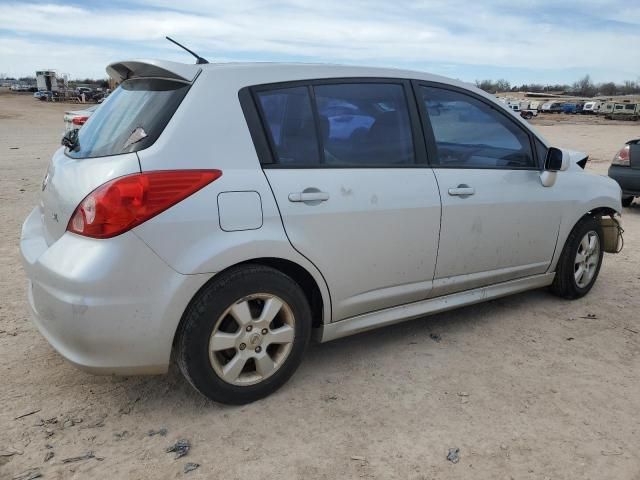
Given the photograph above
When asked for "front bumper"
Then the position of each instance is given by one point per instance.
(628, 178)
(108, 306)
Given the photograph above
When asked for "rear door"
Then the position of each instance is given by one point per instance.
(498, 221)
(351, 181)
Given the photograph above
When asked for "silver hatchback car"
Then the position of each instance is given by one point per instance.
(225, 213)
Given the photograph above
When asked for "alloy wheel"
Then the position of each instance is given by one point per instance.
(586, 260)
(252, 339)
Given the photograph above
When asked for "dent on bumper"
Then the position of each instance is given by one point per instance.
(108, 306)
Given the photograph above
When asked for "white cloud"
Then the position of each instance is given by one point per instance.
(392, 33)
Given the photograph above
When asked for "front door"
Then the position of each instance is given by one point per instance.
(498, 221)
(354, 195)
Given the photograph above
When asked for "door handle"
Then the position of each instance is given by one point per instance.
(309, 197)
(462, 190)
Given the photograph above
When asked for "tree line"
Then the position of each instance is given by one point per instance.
(584, 87)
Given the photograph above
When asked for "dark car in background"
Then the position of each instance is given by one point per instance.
(625, 169)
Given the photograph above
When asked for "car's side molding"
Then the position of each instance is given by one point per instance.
(389, 316)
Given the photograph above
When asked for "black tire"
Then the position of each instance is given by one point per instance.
(564, 284)
(627, 201)
(199, 320)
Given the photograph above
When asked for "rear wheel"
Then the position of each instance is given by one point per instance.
(244, 334)
(627, 201)
(580, 262)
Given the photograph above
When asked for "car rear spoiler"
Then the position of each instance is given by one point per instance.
(121, 71)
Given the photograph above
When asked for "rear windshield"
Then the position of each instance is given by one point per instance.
(130, 119)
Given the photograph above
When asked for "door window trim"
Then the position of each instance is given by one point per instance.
(265, 147)
(429, 136)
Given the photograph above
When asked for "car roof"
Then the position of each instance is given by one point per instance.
(243, 74)
(269, 72)
(330, 70)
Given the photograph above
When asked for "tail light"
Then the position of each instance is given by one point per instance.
(622, 157)
(79, 120)
(125, 202)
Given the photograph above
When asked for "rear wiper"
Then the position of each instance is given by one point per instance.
(70, 140)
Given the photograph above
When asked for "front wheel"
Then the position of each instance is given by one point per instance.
(580, 261)
(244, 334)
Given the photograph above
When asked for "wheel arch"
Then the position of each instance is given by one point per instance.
(567, 228)
(318, 297)
(302, 277)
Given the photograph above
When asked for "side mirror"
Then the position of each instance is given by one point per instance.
(553, 162)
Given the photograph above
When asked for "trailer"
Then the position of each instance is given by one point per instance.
(625, 111)
(591, 108)
(606, 108)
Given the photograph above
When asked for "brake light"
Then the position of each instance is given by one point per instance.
(125, 202)
(622, 157)
(79, 120)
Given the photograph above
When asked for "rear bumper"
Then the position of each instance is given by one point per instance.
(108, 306)
(628, 178)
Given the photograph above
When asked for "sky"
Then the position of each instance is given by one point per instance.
(522, 41)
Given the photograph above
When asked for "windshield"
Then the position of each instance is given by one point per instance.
(130, 119)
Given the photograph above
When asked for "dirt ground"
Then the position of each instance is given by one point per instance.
(527, 387)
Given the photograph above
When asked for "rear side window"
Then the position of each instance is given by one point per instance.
(288, 116)
(131, 119)
(470, 134)
(338, 125)
(364, 124)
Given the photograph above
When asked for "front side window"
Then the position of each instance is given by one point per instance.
(130, 119)
(289, 120)
(364, 124)
(470, 134)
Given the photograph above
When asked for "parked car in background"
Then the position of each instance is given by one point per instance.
(569, 108)
(625, 169)
(220, 214)
(76, 118)
(523, 108)
(21, 87)
(528, 114)
(39, 94)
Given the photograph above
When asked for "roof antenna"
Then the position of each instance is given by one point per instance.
(199, 59)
